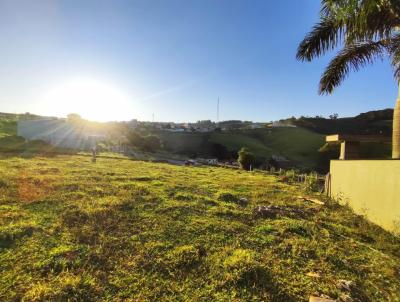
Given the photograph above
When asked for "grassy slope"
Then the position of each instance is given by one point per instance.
(298, 144)
(122, 230)
(7, 128)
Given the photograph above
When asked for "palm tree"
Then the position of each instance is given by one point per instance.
(365, 30)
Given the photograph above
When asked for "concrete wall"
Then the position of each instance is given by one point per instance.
(371, 187)
(59, 133)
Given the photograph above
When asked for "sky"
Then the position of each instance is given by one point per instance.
(120, 60)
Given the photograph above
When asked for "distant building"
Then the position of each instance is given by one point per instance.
(257, 125)
(208, 161)
(133, 123)
(60, 132)
(278, 124)
(176, 130)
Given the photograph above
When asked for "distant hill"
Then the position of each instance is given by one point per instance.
(372, 122)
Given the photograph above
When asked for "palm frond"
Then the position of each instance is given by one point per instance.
(337, 8)
(351, 58)
(367, 29)
(324, 37)
(394, 51)
(373, 21)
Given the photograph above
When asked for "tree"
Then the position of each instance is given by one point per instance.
(220, 151)
(334, 116)
(366, 30)
(135, 139)
(151, 143)
(246, 158)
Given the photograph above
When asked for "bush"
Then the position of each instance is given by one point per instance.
(311, 183)
(246, 159)
(151, 143)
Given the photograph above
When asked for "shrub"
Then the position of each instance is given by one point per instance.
(311, 183)
(246, 159)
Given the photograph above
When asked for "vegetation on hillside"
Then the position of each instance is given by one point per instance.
(121, 230)
(298, 145)
(371, 122)
(148, 143)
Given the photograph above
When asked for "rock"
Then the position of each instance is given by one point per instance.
(345, 285)
(347, 298)
(267, 211)
(243, 202)
(289, 211)
(351, 292)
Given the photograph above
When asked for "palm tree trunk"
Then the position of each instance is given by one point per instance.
(396, 130)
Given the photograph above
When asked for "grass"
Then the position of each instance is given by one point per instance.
(7, 127)
(121, 230)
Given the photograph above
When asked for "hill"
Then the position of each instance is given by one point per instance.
(371, 122)
(122, 230)
(298, 145)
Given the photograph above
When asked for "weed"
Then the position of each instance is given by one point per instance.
(127, 230)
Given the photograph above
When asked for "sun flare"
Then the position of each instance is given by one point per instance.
(92, 99)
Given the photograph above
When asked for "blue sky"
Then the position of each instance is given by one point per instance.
(175, 58)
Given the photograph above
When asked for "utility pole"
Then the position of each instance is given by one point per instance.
(153, 117)
(218, 111)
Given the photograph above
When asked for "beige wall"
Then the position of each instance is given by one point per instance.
(371, 187)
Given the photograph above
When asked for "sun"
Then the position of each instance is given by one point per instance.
(93, 99)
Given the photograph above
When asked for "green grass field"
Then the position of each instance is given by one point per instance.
(121, 230)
